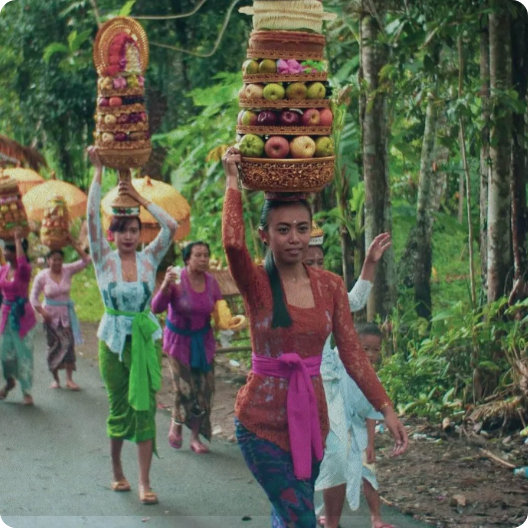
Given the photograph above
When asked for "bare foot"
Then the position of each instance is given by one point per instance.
(55, 385)
(379, 523)
(9, 386)
(28, 400)
(198, 447)
(71, 385)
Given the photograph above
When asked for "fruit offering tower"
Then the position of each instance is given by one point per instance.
(12, 210)
(285, 124)
(122, 131)
(55, 230)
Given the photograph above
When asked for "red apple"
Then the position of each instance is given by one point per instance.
(327, 118)
(103, 101)
(267, 118)
(122, 119)
(302, 147)
(120, 136)
(248, 118)
(311, 117)
(290, 118)
(277, 147)
(115, 101)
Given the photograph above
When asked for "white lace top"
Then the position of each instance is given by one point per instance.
(331, 367)
(118, 294)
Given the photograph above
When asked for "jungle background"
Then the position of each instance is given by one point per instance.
(430, 105)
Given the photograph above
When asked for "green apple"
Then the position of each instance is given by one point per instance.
(250, 67)
(324, 146)
(296, 91)
(316, 90)
(273, 92)
(251, 146)
(267, 66)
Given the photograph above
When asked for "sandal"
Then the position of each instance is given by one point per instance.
(147, 496)
(121, 485)
(9, 386)
(175, 440)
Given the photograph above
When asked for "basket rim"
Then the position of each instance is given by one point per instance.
(285, 77)
(287, 161)
(283, 103)
(279, 130)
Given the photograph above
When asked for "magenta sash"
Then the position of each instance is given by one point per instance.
(301, 406)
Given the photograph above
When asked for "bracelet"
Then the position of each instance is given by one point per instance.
(384, 406)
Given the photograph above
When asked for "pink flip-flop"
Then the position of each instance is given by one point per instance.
(175, 441)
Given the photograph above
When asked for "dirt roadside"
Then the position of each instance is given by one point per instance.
(449, 480)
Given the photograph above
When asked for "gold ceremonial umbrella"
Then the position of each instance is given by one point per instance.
(36, 200)
(161, 194)
(26, 178)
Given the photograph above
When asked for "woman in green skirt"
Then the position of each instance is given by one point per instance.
(129, 334)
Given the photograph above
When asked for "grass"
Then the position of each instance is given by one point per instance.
(85, 294)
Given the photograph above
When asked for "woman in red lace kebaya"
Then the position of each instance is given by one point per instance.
(281, 412)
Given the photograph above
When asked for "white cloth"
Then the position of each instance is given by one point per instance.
(116, 293)
(347, 411)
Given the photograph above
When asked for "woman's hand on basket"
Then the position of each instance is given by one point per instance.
(126, 188)
(231, 160)
(94, 158)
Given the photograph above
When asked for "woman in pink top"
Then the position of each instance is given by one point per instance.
(18, 319)
(60, 321)
(189, 342)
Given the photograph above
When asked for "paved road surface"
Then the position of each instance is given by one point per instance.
(55, 469)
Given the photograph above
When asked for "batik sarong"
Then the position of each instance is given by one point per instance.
(16, 355)
(61, 347)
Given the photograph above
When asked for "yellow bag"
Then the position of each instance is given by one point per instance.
(222, 315)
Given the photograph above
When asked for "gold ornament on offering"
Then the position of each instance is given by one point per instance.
(285, 125)
(122, 138)
(55, 230)
(12, 211)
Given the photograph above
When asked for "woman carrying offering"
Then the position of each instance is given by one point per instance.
(18, 319)
(281, 412)
(189, 343)
(129, 334)
(58, 312)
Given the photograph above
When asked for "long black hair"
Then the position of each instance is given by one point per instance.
(281, 317)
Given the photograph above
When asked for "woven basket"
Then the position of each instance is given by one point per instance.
(125, 127)
(283, 103)
(123, 92)
(126, 157)
(286, 45)
(284, 130)
(295, 175)
(123, 109)
(286, 77)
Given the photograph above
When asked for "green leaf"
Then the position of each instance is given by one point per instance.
(488, 365)
(55, 47)
(127, 8)
(79, 39)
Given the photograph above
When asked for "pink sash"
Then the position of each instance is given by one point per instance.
(301, 406)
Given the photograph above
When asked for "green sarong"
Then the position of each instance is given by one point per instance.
(124, 422)
(16, 355)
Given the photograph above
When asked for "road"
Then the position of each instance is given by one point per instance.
(55, 469)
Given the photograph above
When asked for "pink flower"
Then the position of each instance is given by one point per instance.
(110, 236)
(141, 80)
(119, 83)
(290, 66)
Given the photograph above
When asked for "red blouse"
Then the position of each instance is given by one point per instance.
(261, 403)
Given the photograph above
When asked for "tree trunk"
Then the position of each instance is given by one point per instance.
(378, 215)
(499, 234)
(519, 161)
(485, 161)
(424, 217)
